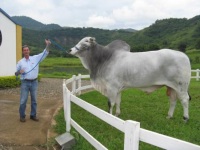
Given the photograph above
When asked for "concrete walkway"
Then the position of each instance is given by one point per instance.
(31, 135)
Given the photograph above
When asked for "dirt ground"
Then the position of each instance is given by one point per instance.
(31, 135)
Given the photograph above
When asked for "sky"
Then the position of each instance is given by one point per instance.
(103, 14)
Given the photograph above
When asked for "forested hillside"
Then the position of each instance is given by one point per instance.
(68, 37)
(173, 33)
(29, 23)
(182, 34)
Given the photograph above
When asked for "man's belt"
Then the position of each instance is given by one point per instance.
(31, 80)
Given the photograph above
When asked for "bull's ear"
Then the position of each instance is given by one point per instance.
(92, 39)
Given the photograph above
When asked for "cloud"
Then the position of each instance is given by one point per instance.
(111, 14)
(99, 21)
(142, 13)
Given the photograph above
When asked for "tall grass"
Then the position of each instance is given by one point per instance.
(150, 110)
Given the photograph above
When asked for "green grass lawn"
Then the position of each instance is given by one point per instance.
(150, 110)
(58, 67)
(60, 61)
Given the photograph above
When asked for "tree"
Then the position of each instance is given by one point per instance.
(197, 45)
(153, 47)
(182, 47)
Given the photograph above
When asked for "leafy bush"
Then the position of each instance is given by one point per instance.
(11, 81)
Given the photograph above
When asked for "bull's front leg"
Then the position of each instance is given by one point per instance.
(111, 104)
(113, 98)
(118, 101)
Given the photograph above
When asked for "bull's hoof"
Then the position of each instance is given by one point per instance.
(185, 119)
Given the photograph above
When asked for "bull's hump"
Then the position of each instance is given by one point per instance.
(118, 45)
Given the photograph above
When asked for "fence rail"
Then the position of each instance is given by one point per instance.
(197, 76)
(131, 129)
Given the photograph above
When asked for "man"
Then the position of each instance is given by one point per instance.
(28, 68)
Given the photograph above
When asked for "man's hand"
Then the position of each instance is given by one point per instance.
(48, 43)
(19, 72)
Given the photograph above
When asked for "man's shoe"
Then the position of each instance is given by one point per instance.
(34, 118)
(22, 120)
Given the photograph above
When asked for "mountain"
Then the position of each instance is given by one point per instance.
(68, 37)
(129, 30)
(29, 23)
(175, 33)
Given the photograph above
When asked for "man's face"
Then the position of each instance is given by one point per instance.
(26, 51)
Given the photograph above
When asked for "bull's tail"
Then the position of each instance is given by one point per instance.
(190, 98)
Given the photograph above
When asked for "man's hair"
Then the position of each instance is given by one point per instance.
(24, 47)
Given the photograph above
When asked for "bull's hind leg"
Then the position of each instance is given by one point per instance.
(184, 97)
(172, 98)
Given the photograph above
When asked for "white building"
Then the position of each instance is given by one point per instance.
(10, 44)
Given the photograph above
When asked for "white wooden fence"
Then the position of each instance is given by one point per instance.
(197, 76)
(131, 129)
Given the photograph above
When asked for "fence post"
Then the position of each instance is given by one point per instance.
(79, 83)
(131, 139)
(197, 75)
(64, 97)
(67, 106)
(74, 84)
(68, 111)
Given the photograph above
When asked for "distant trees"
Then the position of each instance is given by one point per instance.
(197, 45)
(182, 47)
(196, 33)
(153, 47)
(143, 48)
(171, 33)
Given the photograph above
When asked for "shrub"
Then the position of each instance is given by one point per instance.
(11, 81)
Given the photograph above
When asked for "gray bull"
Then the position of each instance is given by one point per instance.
(113, 68)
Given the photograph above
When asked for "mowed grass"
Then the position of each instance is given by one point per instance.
(60, 61)
(150, 110)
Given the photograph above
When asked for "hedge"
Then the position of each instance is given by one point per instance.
(11, 81)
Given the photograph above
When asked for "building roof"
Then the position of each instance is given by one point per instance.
(3, 12)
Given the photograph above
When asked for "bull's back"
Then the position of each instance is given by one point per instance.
(150, 68)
